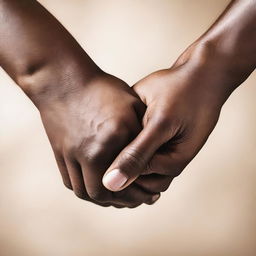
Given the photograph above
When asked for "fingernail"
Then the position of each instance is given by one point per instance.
(114, 180)
(155, 198)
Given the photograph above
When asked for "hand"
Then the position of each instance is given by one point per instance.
(88, 125)
(183, 106)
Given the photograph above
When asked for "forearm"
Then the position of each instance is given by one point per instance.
(33, 44)
(233, 35)
(227, 51)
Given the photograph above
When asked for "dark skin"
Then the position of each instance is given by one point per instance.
(82, 107)
(184, 102)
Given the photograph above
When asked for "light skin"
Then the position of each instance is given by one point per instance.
(82, 107)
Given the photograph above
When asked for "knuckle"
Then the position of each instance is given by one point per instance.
(97, 195)
(116, 133)
(132, 206)
(187, 159)
(81, 194)
(163, 187)
(149, 169)
(76, 146)
(181, 165)
(113, 137)
(68, 185)
(157, 187)
(133, 159)
(80, 147)
(177, 172)
(94, 154)
(162, 119)
(115, 126)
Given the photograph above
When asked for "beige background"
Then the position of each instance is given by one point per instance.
(209, 210)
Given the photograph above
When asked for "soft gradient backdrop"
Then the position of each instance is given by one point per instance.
(209, 210)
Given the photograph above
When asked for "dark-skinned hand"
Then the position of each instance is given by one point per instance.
(87, 127)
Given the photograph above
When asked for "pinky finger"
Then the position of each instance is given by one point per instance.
(63, 170)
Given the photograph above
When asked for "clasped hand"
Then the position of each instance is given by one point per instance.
(123, 146)
(117, 145)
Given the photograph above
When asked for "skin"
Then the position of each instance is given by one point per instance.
(82, 107)
(184, 102)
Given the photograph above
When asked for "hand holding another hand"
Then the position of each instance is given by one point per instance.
(143, 137)
(88, 125)
(183, 106)
(184, 102)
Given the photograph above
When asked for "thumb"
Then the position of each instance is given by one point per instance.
(134, 158)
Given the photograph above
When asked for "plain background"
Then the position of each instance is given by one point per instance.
(209, 210)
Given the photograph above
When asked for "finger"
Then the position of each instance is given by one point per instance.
(76, 178)
(94, 189)
(77, 181)
(133, 196)
(160, 172)
(96, 157)
(165, 164)
(63, 170)
(140, 109)
(154, 183)
(132, 161)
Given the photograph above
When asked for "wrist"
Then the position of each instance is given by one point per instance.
(56, 80)
(228, 58)
(217, 71)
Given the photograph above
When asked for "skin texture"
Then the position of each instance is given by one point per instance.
(184, 102)
(179, 118)
(82, 107)
(86, 134)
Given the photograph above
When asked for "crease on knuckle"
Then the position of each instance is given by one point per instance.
(77, 148)
(133, 159)
(162, 120)
(94, 155)
(82, 146)
(68, 185)
(80, 194)
(149, 168)
(97, 195)
(117, 135)
(164, 186)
